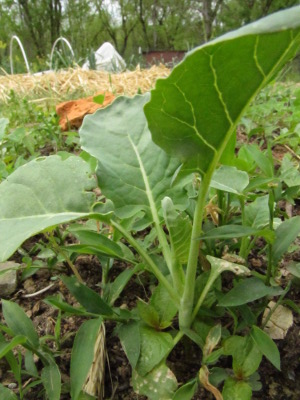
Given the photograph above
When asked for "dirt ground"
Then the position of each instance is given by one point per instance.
(185, 360)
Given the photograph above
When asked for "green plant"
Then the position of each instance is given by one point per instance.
(162, 183)
(29, 131)
(274, 116)
(22, 332)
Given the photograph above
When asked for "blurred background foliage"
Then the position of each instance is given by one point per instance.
(131, 26)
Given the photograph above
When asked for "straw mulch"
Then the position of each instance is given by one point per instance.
(62, 85)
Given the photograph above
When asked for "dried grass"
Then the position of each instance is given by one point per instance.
(63, 85)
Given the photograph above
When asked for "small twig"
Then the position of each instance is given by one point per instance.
(39, 292)
(291, 151)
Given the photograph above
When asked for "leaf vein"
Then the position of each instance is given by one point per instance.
(218, 90)
(259, 67)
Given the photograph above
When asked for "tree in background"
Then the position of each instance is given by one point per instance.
(235, 13)
(166, 24)
(127, 24)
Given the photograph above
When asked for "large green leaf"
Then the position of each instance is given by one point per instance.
(132, 171)
(193, 113)
(130, 338)
(246, 291)
(40, 194)
(155, 346)
(83, 354)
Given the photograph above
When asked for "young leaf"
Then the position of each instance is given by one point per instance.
(99, 99)
(289, 172)
(97, 242)
(132, 171)
(187, 391)
(236, 390)
(116, 287)
(246, 291)
(38, 195)
(6, 347)
(87, 297)
(180, 230)
(165, 308)
(83, 354)
(212, 340)
(286, 233)
(148, 314)
(159, 384)
(245, 354)
(257, 213)
(294, 269)
(19, 323)
(30, 366)
(266, 346)
(229, 179)
(51, 381)
(179, 113)
(57, 302)
(7, 394)
(262, 160)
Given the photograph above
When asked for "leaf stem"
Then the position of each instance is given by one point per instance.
(271, 270)
(161, 278)
(244, 250)
(214, 273)
(160, 233)
(187, 301)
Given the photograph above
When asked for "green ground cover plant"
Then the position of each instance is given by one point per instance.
(166, 164)
(29, 130)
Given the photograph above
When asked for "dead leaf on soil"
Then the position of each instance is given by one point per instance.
(279, 323)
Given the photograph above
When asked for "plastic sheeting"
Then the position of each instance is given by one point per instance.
(107, 58)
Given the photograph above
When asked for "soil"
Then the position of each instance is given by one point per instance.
(185, 360)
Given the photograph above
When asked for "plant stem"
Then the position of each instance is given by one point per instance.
(187, 301)
(58, 250)
(271, 270)
(245, 240)
(212, 277)
(161, 278)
